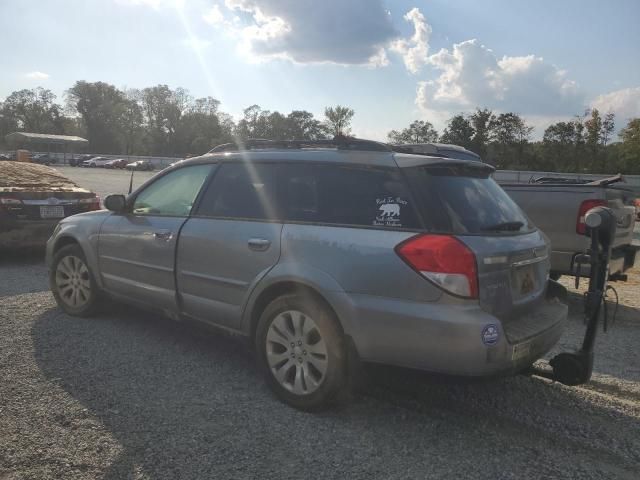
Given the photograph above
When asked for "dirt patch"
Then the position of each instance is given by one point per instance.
(21, 176)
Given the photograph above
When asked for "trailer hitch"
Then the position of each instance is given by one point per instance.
(575, 368)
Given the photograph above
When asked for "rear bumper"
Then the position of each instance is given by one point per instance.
(622, 259)
(451, 339)
(26, 233)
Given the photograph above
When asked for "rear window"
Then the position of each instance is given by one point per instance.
(348, 195)
(461, 199)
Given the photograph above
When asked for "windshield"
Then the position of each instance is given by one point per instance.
(462, 200)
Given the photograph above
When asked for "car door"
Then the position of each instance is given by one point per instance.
(136, 250)
(229, 243)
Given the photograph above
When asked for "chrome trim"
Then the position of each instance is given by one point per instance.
(529, 261)
(46, 202)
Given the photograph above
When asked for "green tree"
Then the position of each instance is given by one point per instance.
(102, 108)
(559, 144)
(510, 136)
(303, 126)
(33, 110)
(481, 121)
(419, 131)
(459, 131)
(630, 147)
(163, 109)
(338, 120)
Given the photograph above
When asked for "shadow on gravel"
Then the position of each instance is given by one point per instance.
(625, 313)
(185, 403)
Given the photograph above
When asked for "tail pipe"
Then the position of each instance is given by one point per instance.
(575, 368)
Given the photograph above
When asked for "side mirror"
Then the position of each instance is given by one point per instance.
(115, 203)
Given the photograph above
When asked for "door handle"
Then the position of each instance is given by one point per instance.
(259, 244)
(165, 235)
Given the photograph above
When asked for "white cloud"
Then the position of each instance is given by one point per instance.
(214, 16)
(414, 51)
(624, 103)
(36, 75)
(312, 31)
(155, 4)
(472, 75)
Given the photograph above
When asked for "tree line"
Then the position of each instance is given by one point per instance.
(584, 143)
(156, 120)
(162, 121)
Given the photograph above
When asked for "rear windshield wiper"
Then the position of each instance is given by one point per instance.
(504, 227)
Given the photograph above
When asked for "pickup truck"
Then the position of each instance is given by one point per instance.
(558, 209)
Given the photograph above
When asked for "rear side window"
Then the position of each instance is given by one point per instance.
(347, 195)
(461, 199)
(241, 190)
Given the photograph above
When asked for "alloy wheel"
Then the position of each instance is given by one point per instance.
(72, 281)
(296, 352)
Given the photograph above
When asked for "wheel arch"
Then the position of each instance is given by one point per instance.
(278, 289)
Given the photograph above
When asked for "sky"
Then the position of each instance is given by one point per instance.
(392, 61)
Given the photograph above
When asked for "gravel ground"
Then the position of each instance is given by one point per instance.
(132, 395)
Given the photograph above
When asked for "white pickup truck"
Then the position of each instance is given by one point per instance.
(558, 207)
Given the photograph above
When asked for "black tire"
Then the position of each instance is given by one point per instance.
(91, 301)
(334, 380)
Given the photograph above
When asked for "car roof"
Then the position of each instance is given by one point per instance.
(330, 155)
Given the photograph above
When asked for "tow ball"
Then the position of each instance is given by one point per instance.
(575, 368)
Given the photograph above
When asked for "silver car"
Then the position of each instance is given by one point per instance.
(321, 254)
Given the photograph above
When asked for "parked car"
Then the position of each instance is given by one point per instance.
(33, 198)
(116, 163)
(637, 204)
(77, 160)
(317, 255)
(95, 162)
(559, 209)
(43, 159)
(140, 165)
(4, 156)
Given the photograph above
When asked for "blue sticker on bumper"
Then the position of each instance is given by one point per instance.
(490, 334)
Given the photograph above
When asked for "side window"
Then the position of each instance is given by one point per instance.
(241, 190)
(173, 194)
(346, 195)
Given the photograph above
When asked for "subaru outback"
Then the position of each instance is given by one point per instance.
(317, 250)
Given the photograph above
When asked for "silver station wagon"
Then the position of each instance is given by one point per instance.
(324, 252)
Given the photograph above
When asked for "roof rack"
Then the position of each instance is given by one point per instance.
(341, 143)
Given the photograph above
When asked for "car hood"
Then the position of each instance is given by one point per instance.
(96, 215)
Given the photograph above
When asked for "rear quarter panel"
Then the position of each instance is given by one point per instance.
(343, 260)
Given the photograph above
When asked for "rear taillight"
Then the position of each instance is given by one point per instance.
(91, 203)
(8, 204)
(581, 226)
(444, 260)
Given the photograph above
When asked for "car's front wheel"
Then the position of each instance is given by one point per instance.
(72, 283)
(302, 352)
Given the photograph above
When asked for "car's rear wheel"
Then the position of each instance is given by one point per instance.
(301, 350)
(72, 283)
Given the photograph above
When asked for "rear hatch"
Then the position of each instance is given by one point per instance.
(460, 199)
